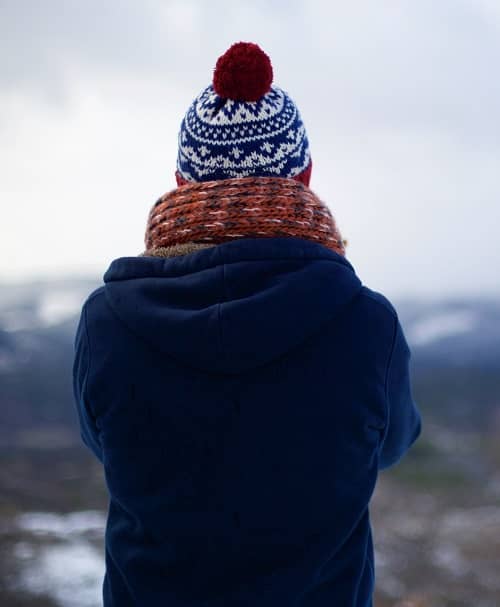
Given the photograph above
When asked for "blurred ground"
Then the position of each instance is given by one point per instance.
(435, 517)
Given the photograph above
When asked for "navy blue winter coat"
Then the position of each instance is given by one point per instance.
(242, 399)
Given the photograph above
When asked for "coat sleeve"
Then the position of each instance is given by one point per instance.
(403, 419)
(89, 431)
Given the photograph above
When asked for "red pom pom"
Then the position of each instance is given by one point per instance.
(243, 73)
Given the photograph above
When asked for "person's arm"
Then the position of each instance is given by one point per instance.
(89, 431)
(403, 420)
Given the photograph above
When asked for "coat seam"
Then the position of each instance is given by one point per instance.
(386, 381)
(87, 371)
(219, 311)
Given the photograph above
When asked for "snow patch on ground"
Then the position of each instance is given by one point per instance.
(70, 573)
(59, 558)
(62, 525)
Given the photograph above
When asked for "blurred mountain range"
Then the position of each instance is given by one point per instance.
(455, 347)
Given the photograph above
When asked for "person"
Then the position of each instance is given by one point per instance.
(239, 383)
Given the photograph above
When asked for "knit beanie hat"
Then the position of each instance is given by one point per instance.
(242, 125)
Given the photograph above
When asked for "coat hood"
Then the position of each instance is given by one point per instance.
(234, 306)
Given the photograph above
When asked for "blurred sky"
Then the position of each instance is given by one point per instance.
(401, 102)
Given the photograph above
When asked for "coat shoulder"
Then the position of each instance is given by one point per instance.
(94, 301)
(95, 293)
(382, 300)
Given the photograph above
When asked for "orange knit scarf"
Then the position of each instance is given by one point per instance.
(211, 212)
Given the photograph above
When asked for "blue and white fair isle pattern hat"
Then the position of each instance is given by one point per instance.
(242, 125)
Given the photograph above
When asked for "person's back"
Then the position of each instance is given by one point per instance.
(242, 388)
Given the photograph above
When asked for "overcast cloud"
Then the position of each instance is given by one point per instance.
(401, 101)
